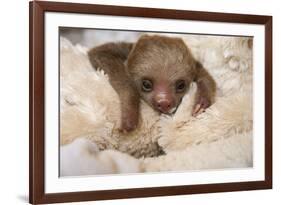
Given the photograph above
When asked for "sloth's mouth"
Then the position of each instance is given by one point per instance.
(169, 112)
(166, 112)
(172, 110)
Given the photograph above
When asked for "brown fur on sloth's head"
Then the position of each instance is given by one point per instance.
(162, 68)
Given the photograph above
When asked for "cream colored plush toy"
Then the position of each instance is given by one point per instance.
(221, 137)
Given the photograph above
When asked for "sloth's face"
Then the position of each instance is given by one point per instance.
(161, 68)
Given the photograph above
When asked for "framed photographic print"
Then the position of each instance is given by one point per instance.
(139, 102)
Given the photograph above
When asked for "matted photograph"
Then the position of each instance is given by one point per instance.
(135, 102)
(139, 102)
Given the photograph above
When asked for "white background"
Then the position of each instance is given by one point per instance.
(14, 100)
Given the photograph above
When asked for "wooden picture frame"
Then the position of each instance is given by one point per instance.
(37, 10)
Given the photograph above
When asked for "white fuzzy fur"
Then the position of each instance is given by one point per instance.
(83, 157)
(219, 138)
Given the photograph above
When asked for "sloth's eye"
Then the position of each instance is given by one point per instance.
(147, 85)
(180, 86)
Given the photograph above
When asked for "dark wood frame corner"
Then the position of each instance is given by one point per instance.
(36, 58)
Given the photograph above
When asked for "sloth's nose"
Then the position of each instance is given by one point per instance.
(164, 106)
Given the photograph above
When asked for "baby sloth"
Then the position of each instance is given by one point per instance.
(158, 69)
